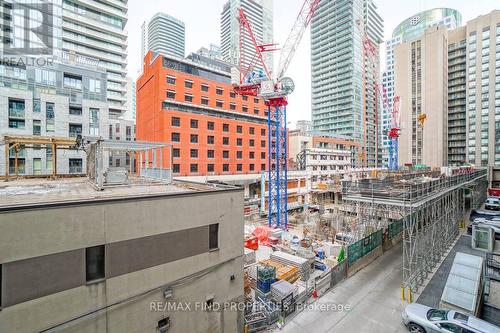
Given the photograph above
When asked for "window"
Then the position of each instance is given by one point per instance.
(36, 105)
(219, 103)
(49, 117)
(232, 106)
(94, 263)
(256, 111)
(239, 129)
(117, 163)
(251, 142)
(262, 131)
(225, 154)
(239, 167)
(239, 154)
(262, 143)
(188, 98)
(194, 138)
(194, 123)
(75, 165)
(219, 91)
(451, 327)
(170, 94)
(244, 97)
(176, 137)
(210, 125)
(75, 130)
(213, 236)
(210, 140)
(244, 109)
(225, 141)
(262, 167)
(225, 127)
(94, 122)
(239, 142)
(170, 79)
(210, 154)
(176, 121)
(232, 94)
(204, 100)
(188, 84)
(251, 130)
(193, 153)
(72, 81)
(193, 167)
(225, 167)
(204, 87)
(210, 168)
(37, 127)
(110, 136)
(176, 152)
(16, 113)
(255, 100)
(176, 168)
(95, 86)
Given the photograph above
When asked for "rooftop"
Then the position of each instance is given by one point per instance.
(26, 193)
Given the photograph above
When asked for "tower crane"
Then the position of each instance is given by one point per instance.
(394, 132)
(274, 90)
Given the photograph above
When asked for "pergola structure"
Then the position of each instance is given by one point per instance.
(16, 142)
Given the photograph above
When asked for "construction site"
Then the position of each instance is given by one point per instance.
(423, 210)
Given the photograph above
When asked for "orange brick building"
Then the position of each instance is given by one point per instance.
(191, 104)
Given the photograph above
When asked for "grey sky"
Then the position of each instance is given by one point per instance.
(202, 19)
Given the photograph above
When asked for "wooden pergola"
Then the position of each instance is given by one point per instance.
(13, 142)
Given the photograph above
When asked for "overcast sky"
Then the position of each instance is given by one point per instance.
(202, 20)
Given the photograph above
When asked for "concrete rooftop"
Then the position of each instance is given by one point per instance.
(35, 192)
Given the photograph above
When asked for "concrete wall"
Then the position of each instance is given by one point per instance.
(33, 233)
(434, 98)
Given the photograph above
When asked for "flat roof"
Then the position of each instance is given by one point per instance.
(29, 193)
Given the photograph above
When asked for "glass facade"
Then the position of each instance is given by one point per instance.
(337, 71)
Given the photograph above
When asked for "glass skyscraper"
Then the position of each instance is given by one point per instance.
(337, 71)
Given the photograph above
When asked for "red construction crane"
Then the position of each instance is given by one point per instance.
(394, 132)
(274, 89)
(370, 53)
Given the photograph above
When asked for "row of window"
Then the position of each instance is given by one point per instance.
(205, 88)
(211, 167)
(205, 100)
(176, 122)
(193, 153)
(194, 138)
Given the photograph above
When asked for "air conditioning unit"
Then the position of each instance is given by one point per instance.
(163, 325)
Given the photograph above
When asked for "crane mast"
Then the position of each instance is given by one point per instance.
(274, 90)
(394, 132)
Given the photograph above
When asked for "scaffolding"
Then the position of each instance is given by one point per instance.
(430, 206)
(153, 162)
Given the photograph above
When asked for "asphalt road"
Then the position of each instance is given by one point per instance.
(373, 295)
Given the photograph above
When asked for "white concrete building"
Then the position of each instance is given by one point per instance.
(324, 161)
(95, 29)
(260, 14)
(64, 100)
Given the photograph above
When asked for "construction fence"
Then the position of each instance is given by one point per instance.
(359, 249)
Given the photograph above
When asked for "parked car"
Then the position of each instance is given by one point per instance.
(423, 319)
(486, 214)
(492, 204)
